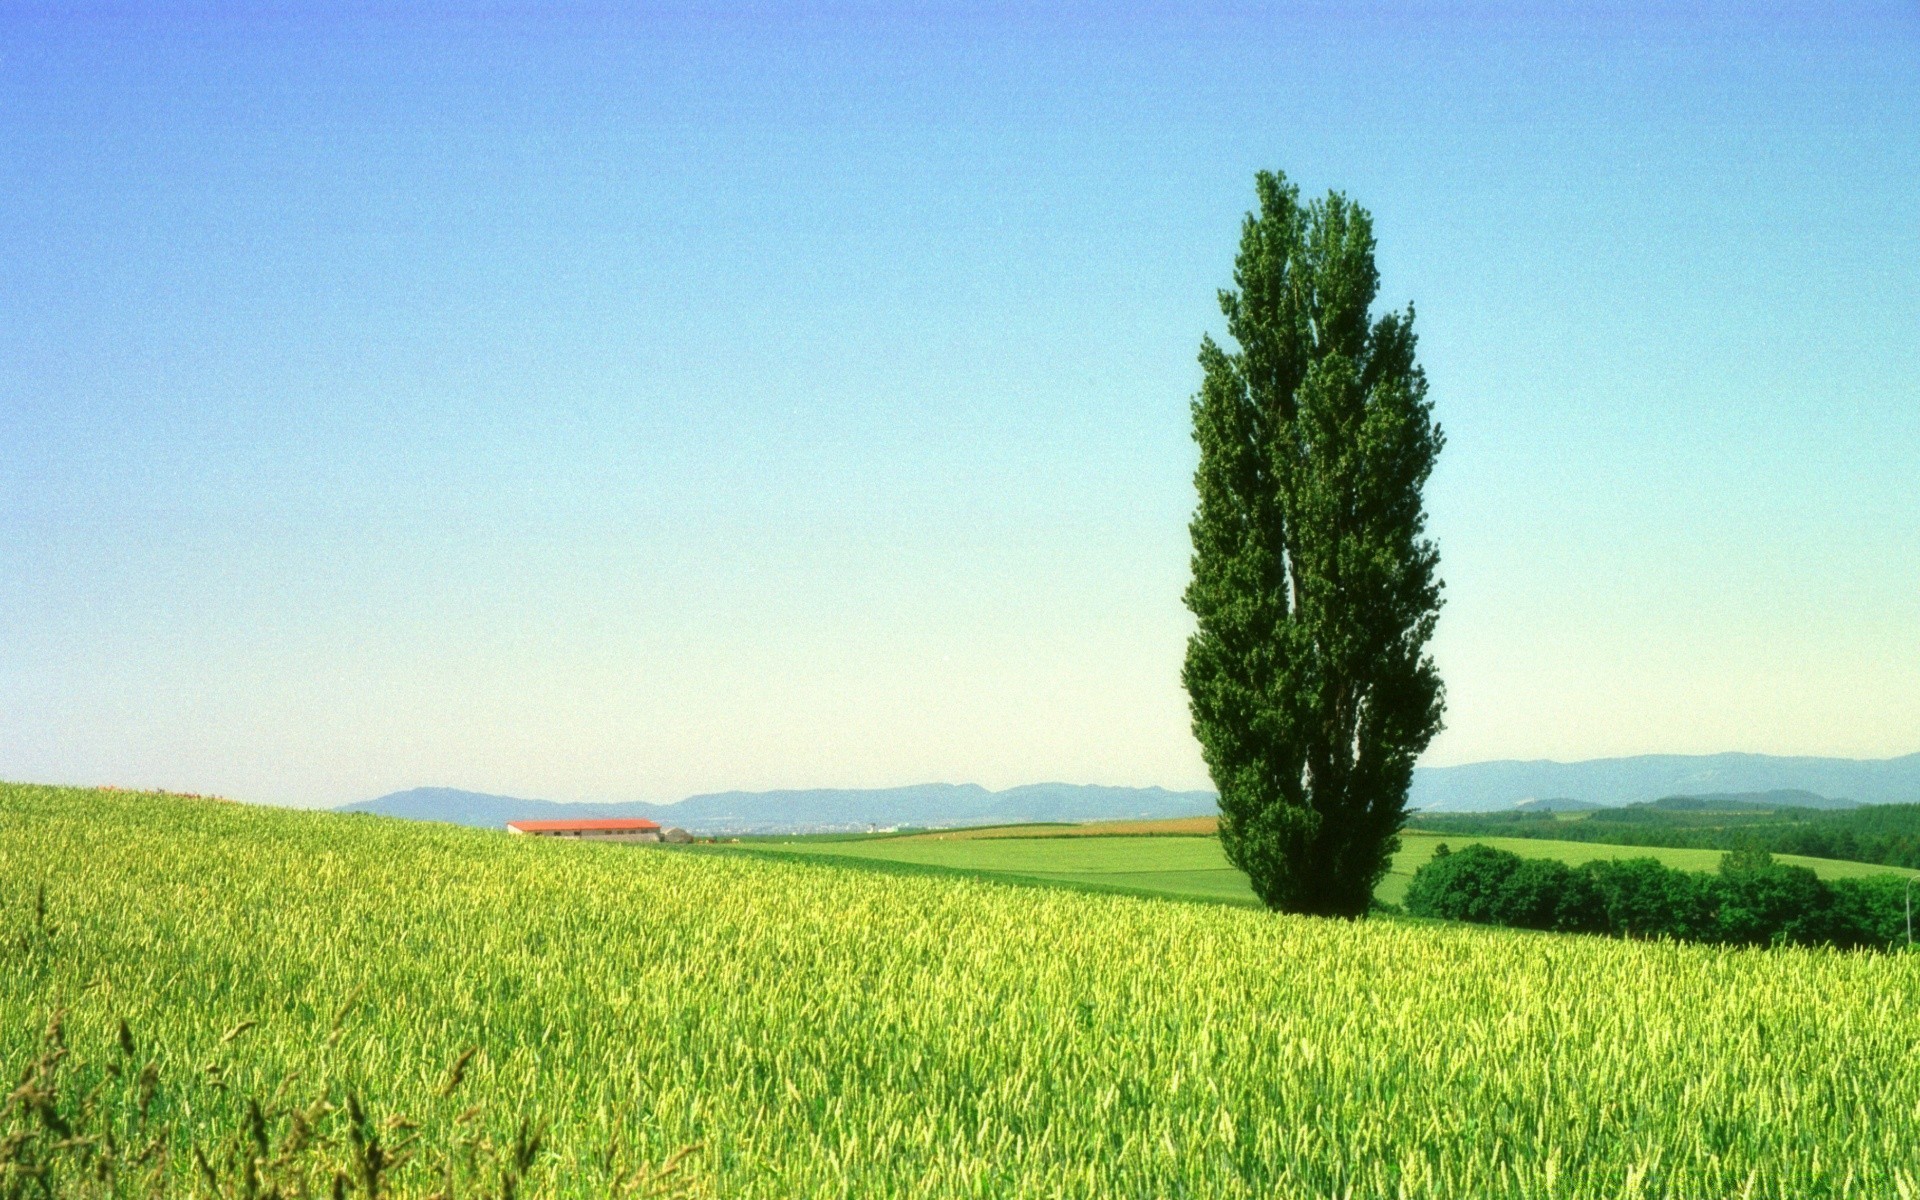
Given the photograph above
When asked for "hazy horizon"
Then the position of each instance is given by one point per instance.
(628, 407)
(1048, 783)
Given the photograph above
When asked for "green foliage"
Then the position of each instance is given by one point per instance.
(831, 1032)
(1751, 901)
(1644, 898)
(1883, 834)
(1493, 887)
(1759, 902)
(1314, 586)
(1874, 905)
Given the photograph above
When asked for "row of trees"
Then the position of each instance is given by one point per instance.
(1885, 834)
(1751, 901)
(1889, 849)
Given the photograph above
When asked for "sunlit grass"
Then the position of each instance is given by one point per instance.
(821, 1031)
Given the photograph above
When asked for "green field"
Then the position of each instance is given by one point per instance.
(818, 1031)
(1195, 868)
(1873, 833)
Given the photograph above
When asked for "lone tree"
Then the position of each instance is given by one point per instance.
(1314, 585)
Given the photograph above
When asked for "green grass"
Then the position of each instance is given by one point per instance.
(829, 1032)
(1190, 867)
(1195, 867)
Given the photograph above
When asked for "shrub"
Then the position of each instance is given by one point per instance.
(1751, 901)
(1759, 902)
(1641, 898)
(1467, 885)
(1870, 911)
(1496, 887)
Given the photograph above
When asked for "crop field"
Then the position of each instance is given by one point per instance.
(1182, 826)
(1194, 867)
(817, 1031)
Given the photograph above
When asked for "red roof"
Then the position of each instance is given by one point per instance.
(605, 825)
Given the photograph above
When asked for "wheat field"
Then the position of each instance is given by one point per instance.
(796, 1029)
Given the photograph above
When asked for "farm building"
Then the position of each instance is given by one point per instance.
(607, 829)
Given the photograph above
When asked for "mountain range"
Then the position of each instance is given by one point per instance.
(1473, 787)
(926, 805)
(1610, 782)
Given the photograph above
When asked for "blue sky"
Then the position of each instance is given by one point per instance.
(621, 406)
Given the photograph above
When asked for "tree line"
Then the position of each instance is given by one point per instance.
(1751, 901)
(1883, 834)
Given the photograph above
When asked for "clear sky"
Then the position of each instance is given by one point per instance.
(617, 407)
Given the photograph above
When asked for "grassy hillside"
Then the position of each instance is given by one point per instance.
(825, 1032)
(1191, 867)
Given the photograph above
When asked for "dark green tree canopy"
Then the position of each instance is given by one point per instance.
(1314, 587)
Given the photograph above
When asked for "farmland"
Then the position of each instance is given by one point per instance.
(825, 1032)
(1879, 833)
(1186, 865)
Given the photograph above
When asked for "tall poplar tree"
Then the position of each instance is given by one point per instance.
(1315, 587)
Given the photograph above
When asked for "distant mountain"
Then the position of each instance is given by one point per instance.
(456, 807)
(1475, 787)
(1759, 801)
(1493, 786)
(1556, 804)
(931, 804)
